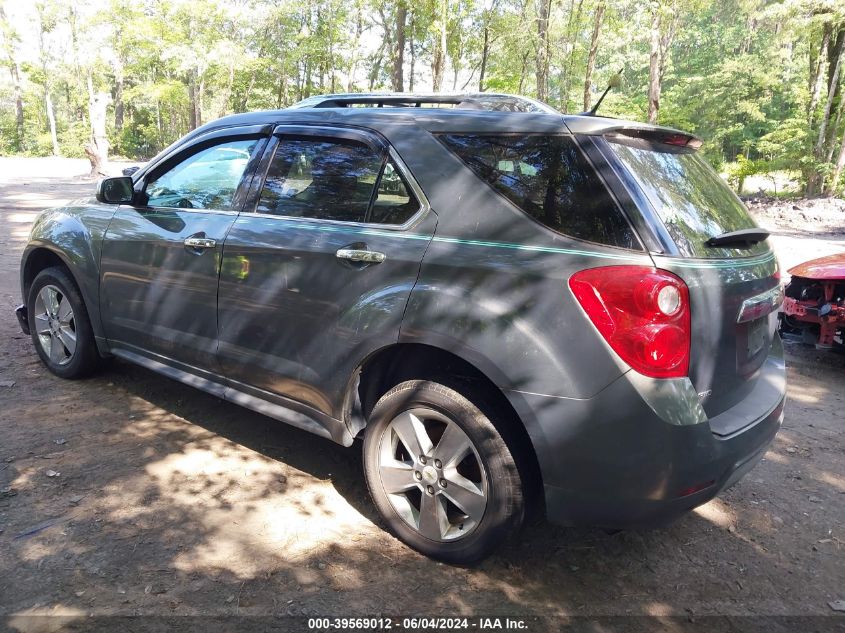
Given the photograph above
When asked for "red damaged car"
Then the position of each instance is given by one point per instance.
(815, 301)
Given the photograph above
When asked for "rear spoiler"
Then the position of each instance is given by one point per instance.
(661, 136)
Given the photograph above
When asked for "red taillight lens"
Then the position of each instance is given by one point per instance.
(643, 313)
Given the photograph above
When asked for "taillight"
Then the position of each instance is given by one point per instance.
(643, 313)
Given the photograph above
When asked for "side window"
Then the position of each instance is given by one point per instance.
(320, 178)
(548, 179)
(394, 203)
(205, 180)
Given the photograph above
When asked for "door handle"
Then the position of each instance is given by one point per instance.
(360, 255)
(200, 242)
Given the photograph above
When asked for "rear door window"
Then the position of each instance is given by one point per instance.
(691, 199)
(327, 179)
(548, 178)
(335, 179)
(394, 203)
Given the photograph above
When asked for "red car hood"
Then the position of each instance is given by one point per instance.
(830, 267)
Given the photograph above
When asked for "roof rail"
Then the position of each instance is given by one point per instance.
(379, 101)
(473, 101)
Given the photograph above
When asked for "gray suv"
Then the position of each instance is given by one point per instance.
(515, 309)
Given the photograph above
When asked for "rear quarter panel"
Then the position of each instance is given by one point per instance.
(493, 285)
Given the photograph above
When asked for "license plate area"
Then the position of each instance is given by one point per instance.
(752, 339)
(757, 331)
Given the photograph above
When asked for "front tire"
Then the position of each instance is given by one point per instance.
(440, 473)
(59, 325)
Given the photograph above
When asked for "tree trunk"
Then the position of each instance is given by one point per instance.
(591, 58)
(16, 78)
(356, 48)
(485, 53)
(542, 70)
(48, 102)
(51, 120)
(835, 60)
(816, 74)
(815, 179)
(399, 51)
(438, 61)
(193, 123)
(119, 109)
(666, 37)
(97, 148)
(413, 50)
(840, 165)
(567, 69)
(831, 146)
(834, 53)
(654, 68)
(200, 98)
(14, 71)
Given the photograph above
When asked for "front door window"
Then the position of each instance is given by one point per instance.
(205, 180)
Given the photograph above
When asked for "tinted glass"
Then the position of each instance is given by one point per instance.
(317, 178)
(394, 203)
(694, 203)
(548, 178)
(205, 180)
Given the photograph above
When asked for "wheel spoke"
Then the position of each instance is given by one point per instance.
(57, 350)
(433, 522)
(68, 338)
(453, 446)
(465, 494)
(412, 434)
(42, 324)
(396, 477)
(51, 300)
(65, 312)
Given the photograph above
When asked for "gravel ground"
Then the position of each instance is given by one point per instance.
(128, 493)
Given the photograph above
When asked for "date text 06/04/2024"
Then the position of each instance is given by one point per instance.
(417, 624)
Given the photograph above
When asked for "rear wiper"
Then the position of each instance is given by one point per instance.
(743, 237)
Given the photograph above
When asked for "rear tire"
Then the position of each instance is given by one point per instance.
(458, 499)
(59, 325)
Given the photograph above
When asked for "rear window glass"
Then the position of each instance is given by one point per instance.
(548, 178)
(691, 199)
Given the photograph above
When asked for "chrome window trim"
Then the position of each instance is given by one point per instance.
(180, 209)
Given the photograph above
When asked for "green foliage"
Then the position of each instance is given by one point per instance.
(735, 72)
(72, 139)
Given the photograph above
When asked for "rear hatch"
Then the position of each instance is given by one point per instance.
(710, 241)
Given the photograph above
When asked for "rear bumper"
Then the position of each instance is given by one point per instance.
(23, 318)
(614, 461)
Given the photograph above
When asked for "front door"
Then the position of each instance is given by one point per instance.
(318, 276)
(161, 258)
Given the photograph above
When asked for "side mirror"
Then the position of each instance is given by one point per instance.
(116, 190)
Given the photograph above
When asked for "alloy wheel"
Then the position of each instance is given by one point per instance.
(55, 324)
(432, 474)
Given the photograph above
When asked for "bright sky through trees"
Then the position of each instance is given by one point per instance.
(760, 81)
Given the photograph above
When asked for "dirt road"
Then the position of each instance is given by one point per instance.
(169, 501)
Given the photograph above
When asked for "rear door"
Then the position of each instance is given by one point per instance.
(317, 276)
(734, 289)
(161, 258)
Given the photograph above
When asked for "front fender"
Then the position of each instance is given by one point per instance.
(74, 234)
